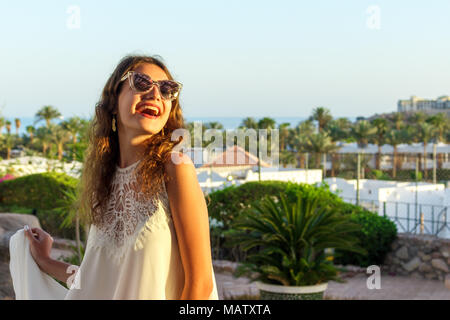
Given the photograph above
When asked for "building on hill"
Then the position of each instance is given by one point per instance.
(418, 104)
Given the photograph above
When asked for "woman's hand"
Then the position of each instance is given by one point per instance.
(40, 244)
(40, 247)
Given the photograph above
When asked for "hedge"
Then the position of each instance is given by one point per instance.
(224, 206)
(41, 192)
(376, 236)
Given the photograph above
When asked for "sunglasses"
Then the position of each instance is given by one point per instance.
(142, 83)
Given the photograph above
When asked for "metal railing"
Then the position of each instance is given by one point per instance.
(410, 217)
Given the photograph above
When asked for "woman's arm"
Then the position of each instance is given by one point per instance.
(190, 217)
(40, 247)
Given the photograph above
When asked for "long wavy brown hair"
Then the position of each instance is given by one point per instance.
(102, 153)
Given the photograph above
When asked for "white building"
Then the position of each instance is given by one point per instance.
(418, 104)
(407, 204)
(33, 164)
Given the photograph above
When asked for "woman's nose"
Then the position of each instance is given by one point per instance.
(153, 93)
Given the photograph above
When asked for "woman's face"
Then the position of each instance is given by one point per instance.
(128, 118)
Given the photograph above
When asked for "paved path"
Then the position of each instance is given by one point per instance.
(355, 288)
(392, 287)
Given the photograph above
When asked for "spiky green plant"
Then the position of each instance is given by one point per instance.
(291, 238)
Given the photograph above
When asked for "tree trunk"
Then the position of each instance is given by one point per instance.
(301, 160)
(394, 162)
(333, 163)
(425, 172)
(378, 158)
(317, 155)
(60, 152)
(440, 160)
(73, 149)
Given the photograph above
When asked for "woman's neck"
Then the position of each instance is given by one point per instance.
(131, 149)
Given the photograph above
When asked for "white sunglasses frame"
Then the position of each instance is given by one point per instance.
(129, 76)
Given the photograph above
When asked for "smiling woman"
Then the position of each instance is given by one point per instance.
(149, 234)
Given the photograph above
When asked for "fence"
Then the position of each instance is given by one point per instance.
(414, 218)
(408, 166)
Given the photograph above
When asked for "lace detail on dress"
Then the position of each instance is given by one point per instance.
(128, 215)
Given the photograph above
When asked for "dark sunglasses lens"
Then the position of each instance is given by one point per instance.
(169, 89)
(142, 82)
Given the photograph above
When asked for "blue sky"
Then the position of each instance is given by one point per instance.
(234, 58)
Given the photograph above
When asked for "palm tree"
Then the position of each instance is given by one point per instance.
(298, 139)
(351, 162)
(9, 141)
(441, 123)
(397, 120)
(44, 136)
(196, 140)
(31, 130)
(395, 137)
(322, 116)
(268, 124)
(379, 137)
(214, 125)
(2, 124)
(284, 134)
(249, 123)
(418, 118)
(8, 126)
(47, 113)
(292, 235)
(67, 206)
(339, 130)
(17, 121)
(320, 144)
(73, 126)
(362, 131)
(287, 157)
(425, 132)
(59, 136)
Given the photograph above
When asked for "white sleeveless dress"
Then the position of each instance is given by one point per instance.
(135, 255)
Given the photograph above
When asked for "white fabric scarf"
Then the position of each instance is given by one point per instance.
(30, 283)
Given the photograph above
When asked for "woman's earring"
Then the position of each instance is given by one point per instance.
(114, 124)
(163, 131)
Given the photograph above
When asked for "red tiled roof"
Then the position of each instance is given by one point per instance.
(235, 156)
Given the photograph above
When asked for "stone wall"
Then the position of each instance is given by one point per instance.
(421, 256)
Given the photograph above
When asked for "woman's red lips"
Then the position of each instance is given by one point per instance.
(147, 115)
(143, 104)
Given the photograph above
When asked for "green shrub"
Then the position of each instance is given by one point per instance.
(39, 191)
(227, 204)
(230, 203)
(292, 236)
(378, 174)
(224, 206)
(376, 235)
